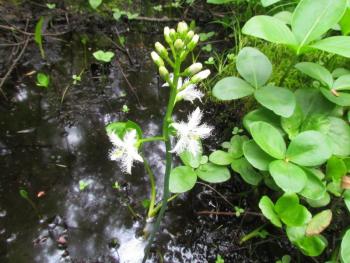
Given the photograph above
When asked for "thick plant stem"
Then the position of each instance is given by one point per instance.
(152, 139)
(166, 122)
(158, 207)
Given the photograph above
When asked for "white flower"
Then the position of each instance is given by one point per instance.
(190, 133)
(190, 93)
(125, 150)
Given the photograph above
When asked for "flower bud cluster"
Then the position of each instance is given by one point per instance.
(181, 41)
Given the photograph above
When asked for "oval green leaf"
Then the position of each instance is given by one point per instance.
(182, 179)
(255, 156)
(267, 208)
(317, 72)
(232, 88)
(253, 66)
(269, 139)
(280, 100)
(212, 173)
(311, 18)
(314, 188)
(247, 172)
(345, 247)
(339, 135)
(291, 178)
(309, 148)
(269, 28)
(220, 158)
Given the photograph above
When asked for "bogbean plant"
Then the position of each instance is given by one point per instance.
(127, 137)
(298, 141)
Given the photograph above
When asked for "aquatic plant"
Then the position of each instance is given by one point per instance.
(128, 139)
(43, 80)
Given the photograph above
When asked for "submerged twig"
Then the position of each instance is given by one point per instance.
(3, 79)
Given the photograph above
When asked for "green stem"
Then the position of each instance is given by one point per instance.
(159, 206)
(152, 139)
(166, 122)
(251, 235)
(153, 187)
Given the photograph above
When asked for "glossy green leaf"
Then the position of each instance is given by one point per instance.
(264, 115)
(338, 45)
(339, 135)
(269, 139)
(291, 212)
(267, 208)
(335, 169)
(345, 22)
(191, 160)
(342, 83)
(232, 88)
(290, 177)
(253, 66)
(314, 188)
(255, 156)
(341, 99)
(317, 72)
(319, 223)
(220, 158)
(236, 146)
(182, 179)
(311, 19)
(311, 246)
(95, 3)
(309, 148)
(323, 201)
(280, 100)
(270, 29)
(43, 80)
(103, 56)
(266, 3)
(316, 122)
(284, 16)
(292, 124)
(247, 172)
(212, 173)
(311, 101)
(345, 247)
(338, 72)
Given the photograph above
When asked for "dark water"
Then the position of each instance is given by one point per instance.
(49, 145)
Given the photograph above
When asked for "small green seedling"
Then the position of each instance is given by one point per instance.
(24, 194)
(83, 185)
(43, 80)
(285, 259)
(51, 5)
(219, 259)
(207, 48)
(103, 56)
(205, 36)
(117, 14)
(239, 211)
(210, 61)
(76, 79)
(125, 109)
(116, 186)
(95, 3)
(236, 130)
(38, 36)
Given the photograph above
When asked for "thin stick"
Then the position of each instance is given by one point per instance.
(221, 213)
(13, 66)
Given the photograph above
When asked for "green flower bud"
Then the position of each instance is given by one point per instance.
(189, 36)
(157, 59)
(193, 43)
(179, 44)
(167, 35)
(172, 34)
(182, 28)
(193, 69)
(161, 49)
(164, 73)
(200, 76)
